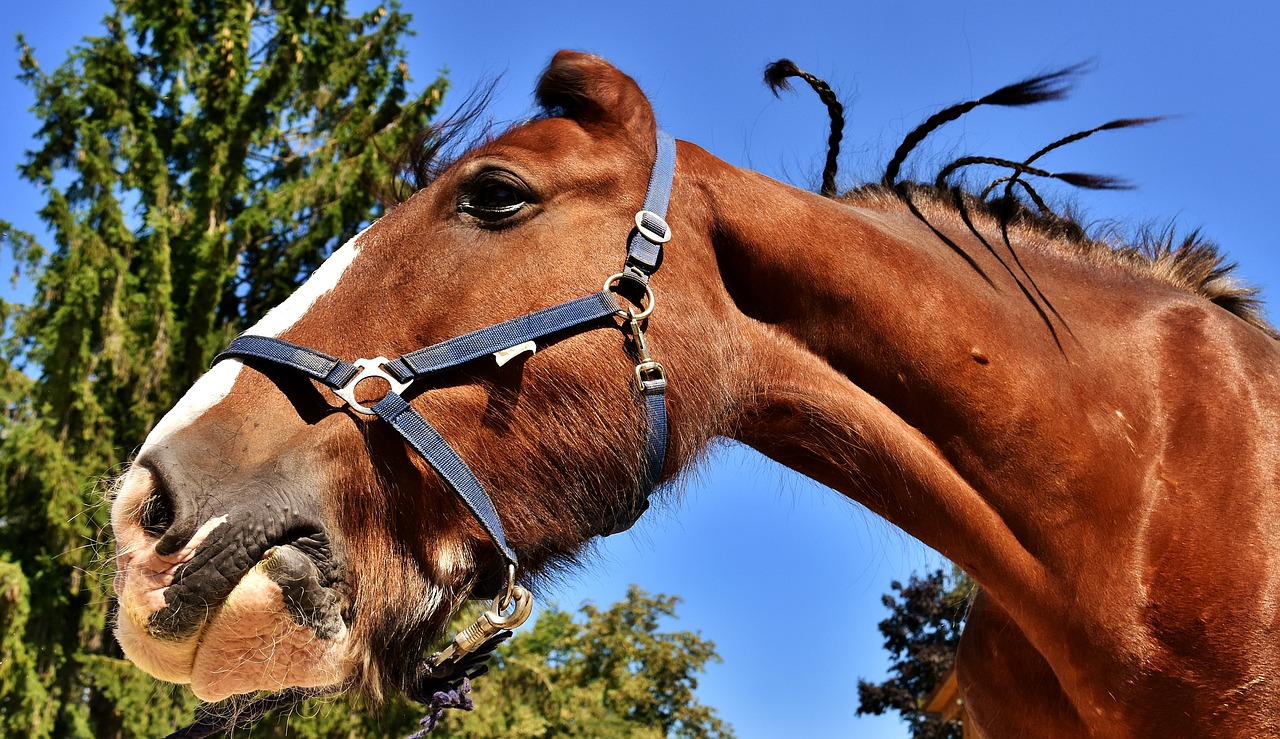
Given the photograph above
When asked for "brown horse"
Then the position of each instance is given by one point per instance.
(1086, 431)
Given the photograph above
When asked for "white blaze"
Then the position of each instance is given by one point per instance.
(216, 384)
(281, 317)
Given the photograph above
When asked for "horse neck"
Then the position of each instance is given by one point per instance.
(1066, 457)
(887, 368)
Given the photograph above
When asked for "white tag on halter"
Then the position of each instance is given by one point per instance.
(506, 355)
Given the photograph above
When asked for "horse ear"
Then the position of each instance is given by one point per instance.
(590, 90)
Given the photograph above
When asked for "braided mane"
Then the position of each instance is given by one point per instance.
(1192, 263)
(775, 75)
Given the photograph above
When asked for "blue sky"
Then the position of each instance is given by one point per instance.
(786, 576)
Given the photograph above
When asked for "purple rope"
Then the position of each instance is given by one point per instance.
(458, 698)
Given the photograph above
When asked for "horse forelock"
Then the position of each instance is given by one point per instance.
(435, 148)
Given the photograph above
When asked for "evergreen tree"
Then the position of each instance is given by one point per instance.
(921, 633)
(199, 158)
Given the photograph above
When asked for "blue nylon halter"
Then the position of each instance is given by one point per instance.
(644, 256)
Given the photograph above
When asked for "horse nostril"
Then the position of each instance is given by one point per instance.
(157, 512)
(166, 514)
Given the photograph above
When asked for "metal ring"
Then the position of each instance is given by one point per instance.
(648, 296)
(368, 368)
(521, 606)
(504, 600)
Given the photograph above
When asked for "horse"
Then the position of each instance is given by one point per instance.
(1088, 429)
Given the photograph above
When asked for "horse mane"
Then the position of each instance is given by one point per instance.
(1192, 263)
(775, 75)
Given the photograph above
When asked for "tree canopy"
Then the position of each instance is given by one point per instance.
(198, 159)
(613, 674)
(921, 634)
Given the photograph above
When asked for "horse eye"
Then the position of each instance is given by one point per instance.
(494, 197)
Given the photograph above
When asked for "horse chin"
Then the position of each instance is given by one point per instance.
(255, 642)
(271, 633)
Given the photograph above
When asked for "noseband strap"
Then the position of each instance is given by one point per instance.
(644, 256)
(443, 678)
(395, 410)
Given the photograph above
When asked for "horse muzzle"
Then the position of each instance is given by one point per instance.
(231, 591)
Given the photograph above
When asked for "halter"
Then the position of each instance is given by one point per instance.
(504, 341)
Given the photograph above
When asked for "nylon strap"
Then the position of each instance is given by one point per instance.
(529, 327)
(428, 442)
(393, 409)
(644, 255)
(317, 365)
(654, 393)
(421, 435)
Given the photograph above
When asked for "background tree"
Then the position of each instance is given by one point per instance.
(199, 159)
(613, 674)
(921, 633)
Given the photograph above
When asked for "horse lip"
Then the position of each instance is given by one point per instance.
(203, 583)
(306, 598)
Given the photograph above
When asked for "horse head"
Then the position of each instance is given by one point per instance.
(270, 535)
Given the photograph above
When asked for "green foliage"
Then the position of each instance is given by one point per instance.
(335, 718)
(198, 159)
(141, 705)
(23, 700)
(612, 674)
(921, 633)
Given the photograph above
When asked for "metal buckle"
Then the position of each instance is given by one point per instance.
(650, 374)
(369, 368)
(650, 234)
